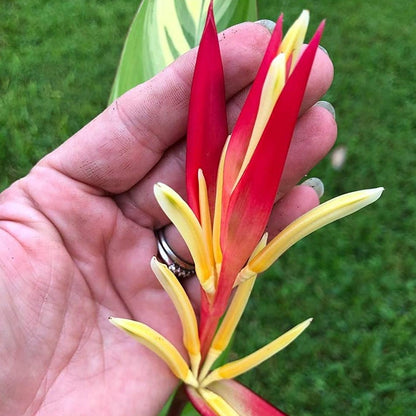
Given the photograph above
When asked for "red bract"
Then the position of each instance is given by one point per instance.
(239, 397)
(252, 199)
(207, 119)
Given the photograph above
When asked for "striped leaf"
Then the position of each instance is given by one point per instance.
(164, 29)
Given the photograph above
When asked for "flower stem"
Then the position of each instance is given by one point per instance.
(178, 403)
(208, 331)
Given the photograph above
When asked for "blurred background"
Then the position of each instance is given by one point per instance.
(357, 277)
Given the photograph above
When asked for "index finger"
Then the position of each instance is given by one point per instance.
(116, 149)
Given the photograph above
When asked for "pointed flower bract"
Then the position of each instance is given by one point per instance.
(232, 183)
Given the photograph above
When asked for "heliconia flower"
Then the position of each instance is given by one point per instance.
(234, 191)
(232, 181)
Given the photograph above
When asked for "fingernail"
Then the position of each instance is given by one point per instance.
(268, 24)
(323, 49)
(316, 184)
(328, 106)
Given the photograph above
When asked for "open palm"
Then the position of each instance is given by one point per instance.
(77, 236)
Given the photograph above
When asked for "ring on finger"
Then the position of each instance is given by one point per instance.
(178, 266)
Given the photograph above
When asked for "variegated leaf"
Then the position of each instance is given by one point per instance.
(164, 29)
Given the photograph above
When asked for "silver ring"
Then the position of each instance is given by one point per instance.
(178, 266)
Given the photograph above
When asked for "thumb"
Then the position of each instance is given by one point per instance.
(115, 150)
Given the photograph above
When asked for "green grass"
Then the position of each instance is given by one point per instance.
(57, 63)
(357, 277)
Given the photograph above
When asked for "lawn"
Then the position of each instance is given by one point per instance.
(356, 277)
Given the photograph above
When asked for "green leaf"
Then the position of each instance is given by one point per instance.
(188, 410)
(164, 29)
(231, 12)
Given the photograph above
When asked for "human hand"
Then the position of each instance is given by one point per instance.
(77, 236)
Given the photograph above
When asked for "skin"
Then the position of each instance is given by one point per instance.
(77, 236)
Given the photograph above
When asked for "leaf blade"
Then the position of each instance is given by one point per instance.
(161, 31)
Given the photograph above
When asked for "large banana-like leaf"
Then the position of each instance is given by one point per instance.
(164, 29)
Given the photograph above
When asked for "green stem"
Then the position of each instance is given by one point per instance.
(178, 403)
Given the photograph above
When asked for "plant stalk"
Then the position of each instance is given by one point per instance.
(178, 403)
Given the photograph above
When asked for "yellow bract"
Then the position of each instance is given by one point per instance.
(238, 367)
(294, 38)
(190, 229)
(159, 345)
(217, 403)
(205, 216)
(185, 311)
(216, 232)
(306, 224)
(275, 81)
(231, 318)
(228, 325)
(273, 86)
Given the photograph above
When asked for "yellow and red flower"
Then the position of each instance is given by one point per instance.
(232, 183)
